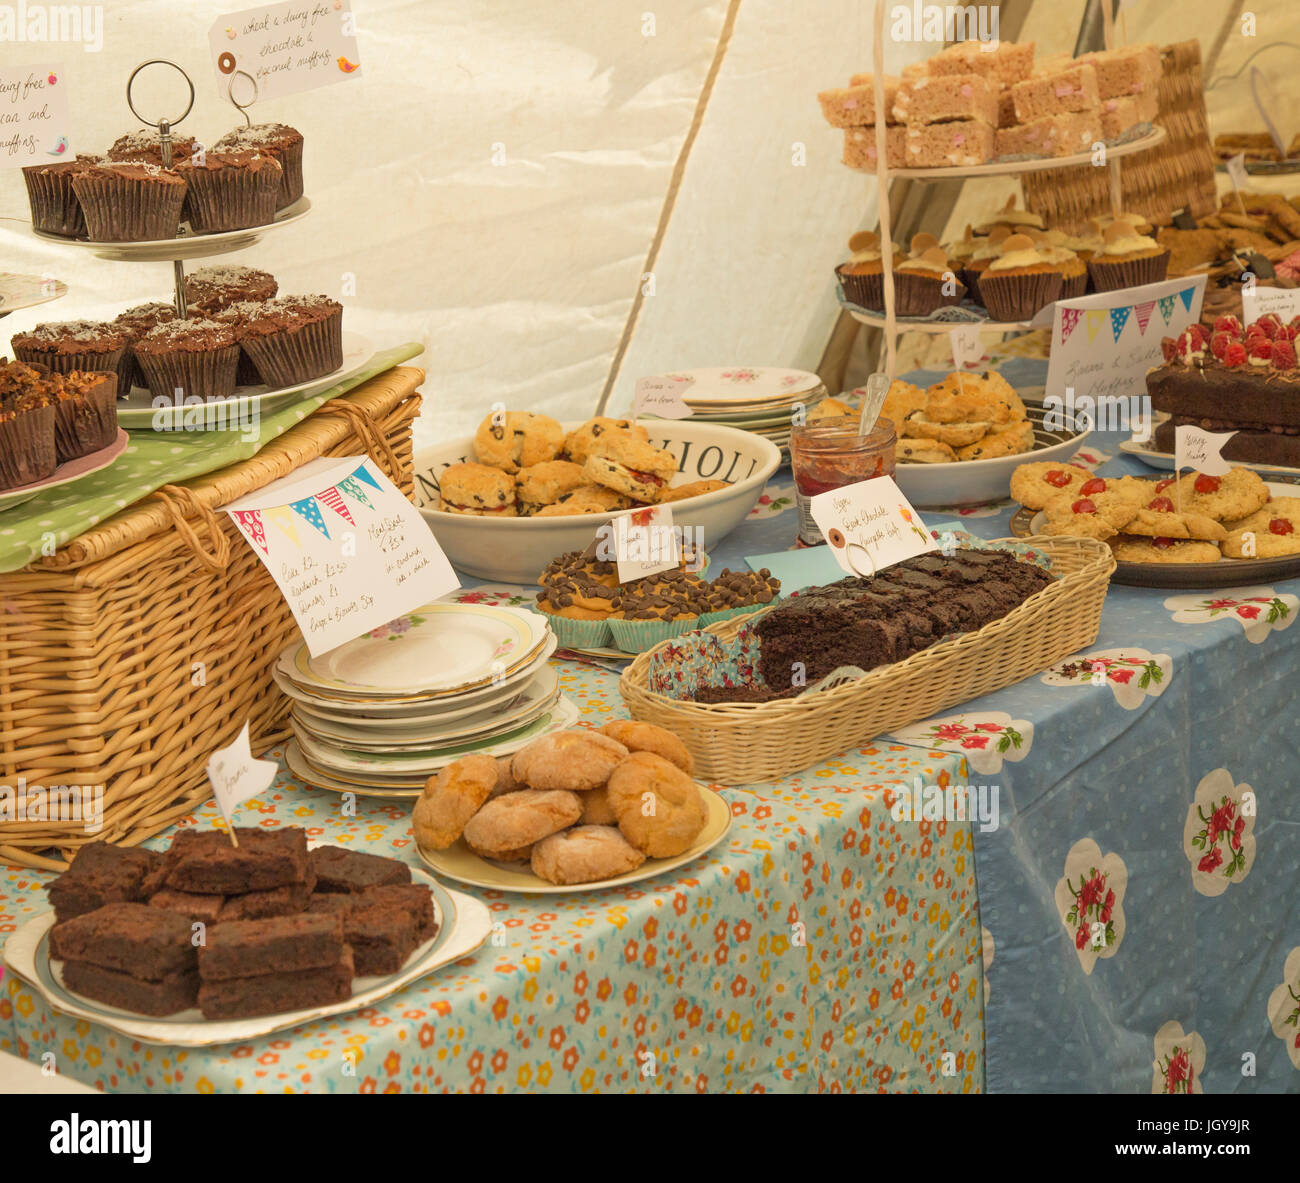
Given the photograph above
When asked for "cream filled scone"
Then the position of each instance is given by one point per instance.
(578, 443)
(631, 467)
(511, 440)
(478, 490)
(586, 499)
(544, 484)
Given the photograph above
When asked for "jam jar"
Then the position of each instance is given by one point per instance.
(830, 454)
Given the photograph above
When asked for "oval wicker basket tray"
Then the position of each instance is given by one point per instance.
(743, 743)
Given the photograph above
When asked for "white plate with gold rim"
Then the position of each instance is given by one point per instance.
(460, 863)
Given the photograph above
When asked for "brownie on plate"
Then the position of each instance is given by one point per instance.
(340, 869)
(144, 942)
(382, 936)
(269, 993)
(102, 874)
(207, 862)
(203, 908)
(175, 992)
(277, 901)
(414, 897)
(278, 944)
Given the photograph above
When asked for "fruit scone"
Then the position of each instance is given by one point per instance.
(478, 490)
(1268, 533)
(630, 466)
(964, 411)
(585, 499)
(540, 485)
(579, 442)
(511, 440)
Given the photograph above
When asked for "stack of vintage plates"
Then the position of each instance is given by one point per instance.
(758, 399)
(379, 715)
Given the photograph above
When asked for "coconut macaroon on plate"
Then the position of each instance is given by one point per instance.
(461, 864)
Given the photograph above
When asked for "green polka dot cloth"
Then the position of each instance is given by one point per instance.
(152, 459)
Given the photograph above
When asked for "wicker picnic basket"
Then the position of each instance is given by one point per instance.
(100, 643)
(1175, 174)
(736, 744)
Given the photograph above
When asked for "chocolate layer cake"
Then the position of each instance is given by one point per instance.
(175, 992)
(144, 942)
(269, 993)
(280, 944)
(340, 869)
(102, 874)
(887, 618)
(1277, 445)
(206, 862)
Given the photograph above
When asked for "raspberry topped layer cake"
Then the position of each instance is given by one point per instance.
(1233, 379)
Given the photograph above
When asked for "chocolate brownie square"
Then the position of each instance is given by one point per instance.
(271, 993)
(278, 901)
(102, 874)
(203, 908)
(175, 992)
(279, 944)
(340, 869)
(414, 897)
(381, 935)
(147, 943)
(336, 903)
(206, 862)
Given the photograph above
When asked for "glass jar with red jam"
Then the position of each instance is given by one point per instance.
(830, 454)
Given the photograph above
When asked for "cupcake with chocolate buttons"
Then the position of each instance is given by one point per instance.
(926, 280)
(230, 190)
(477, 490)
(279, 140)
(294, 339)
(129, 201)
(656, 609)
(1020, 281)
(190, 358)
(738, 593)
(578, 610)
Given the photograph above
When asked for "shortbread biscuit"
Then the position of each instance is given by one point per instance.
(451, 798)
(585, 854)
(659, 807)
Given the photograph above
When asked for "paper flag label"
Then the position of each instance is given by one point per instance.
(1257, 300)
(1237, 171)
(35, 127)
(345, 547)
(288, 48)
(237, 776)
(1201, 450)
(662, 397)
(870, 525)
(966, 348)
(641, 542)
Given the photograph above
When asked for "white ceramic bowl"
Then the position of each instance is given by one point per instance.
(514, 550)
(977, 482)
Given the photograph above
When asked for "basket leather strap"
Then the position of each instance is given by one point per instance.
(364, 427)
(179, 502)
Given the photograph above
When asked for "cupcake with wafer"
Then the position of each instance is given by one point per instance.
(862, 277)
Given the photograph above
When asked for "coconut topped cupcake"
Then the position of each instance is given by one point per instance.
(146, 145)
(1011, 217)
(210, 289)
(274, 139)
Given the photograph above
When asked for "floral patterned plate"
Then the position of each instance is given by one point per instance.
(438, 649)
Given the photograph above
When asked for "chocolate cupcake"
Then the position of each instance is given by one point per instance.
(231, 190)
(189, 358)
(55, 208)
(237, 316)
(273, 139)
(294, 339)
(145, 146)
(134, 323)
(212, 289)
(85, 412)
(64, 346)
(27, 452)
(129, 202)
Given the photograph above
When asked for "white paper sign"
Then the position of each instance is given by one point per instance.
(870, 525)
(288, 48)
(1202, 450)
(966, 348)
(237, 776)
(1237, 173)
(34, 123)
(641, 542)
(1103, 345)
(345, 547)
(1257, 300)
(662, 397)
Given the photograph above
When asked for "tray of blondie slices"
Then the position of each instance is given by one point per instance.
(209, 943)
(1195, 530)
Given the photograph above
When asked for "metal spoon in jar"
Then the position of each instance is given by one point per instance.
(874, 398)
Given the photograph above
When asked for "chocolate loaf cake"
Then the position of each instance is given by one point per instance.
(888, 617)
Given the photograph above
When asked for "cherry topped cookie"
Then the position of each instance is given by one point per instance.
(1236, 494)
(1268, 533)
(1100, 515)
(1128, 548)
(1034, 485)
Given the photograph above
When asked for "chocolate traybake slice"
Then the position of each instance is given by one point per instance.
(269, 993)
(172, 993)
(279, 944)
(102, 874)
(135, 939)
(340, 869)
(206, 862)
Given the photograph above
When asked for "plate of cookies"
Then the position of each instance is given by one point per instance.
(960, 440)
(526, 487)
(579, 811)
(1196, 530)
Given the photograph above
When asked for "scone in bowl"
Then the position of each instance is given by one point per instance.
(978, 482)
(514, 550)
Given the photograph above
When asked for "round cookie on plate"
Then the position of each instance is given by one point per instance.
(505, 782)
(1034, 485)
(451, 798)
(659, 807)
(478, 490)
(511, 440)
(1131, 549)
(646, 737)
(584, 854)
(579, 442)
(540, 485)
(505, 825)
(1275, 530)
(578, 759)
(631, 467)
(596, 809)
(1236, 494)
(1099, 515)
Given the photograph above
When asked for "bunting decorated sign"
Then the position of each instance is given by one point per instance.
(1103, 345)
(347, 550)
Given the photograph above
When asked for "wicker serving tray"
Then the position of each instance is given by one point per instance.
(738, 743)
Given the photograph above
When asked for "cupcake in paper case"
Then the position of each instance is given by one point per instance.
(67, 345)
(213, 289)
(1127, 259)
(188, 358)
(85, 413)
(27, 450)
(986, 250)
(737, 593)
(1020, 281)
(129, 201)
(231, 190)
(578, 611)
(271, 139)
(1074, 272)
(145, 147)
(657, 608)
(862, 278)
(55, 208)
(134, 323)
(926, 280)
(293, 339)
